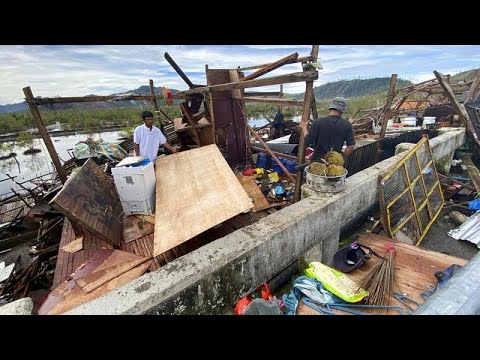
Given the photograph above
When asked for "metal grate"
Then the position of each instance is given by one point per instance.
(410, 195)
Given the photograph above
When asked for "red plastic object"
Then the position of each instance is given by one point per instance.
(248, 171)
(262, 292)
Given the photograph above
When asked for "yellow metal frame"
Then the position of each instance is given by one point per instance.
(402, 166)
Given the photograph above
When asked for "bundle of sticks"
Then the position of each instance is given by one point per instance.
(379, 280)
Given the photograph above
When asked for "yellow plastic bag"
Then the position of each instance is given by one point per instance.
(273, 177)
(336, 282)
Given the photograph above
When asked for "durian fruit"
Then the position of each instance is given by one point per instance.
(335, 170)
(334, 158)
(317, 168)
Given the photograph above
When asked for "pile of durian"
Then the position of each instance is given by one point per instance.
(333, 167)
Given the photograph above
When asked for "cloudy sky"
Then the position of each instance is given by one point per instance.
(78, 70)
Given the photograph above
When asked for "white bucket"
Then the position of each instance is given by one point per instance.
(428, 121)
(409, 121)
(328, 184)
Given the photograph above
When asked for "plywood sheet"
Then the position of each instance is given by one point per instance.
(90, 198)
(414, 268)
(196, 190)
(259, 200)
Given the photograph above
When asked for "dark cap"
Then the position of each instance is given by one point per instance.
(350, 257)
(339, 103)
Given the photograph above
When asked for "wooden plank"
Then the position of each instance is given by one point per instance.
(274, 101)
(248, 184)
(472, 172)
(208, 194)
(274, 80)
(98, 278)
(414, 268)
(90, 198)
(69, 295)
(74, 246)
(132, 230)
(270, 67)
(300, 59)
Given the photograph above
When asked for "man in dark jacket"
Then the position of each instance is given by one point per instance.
(330, 132)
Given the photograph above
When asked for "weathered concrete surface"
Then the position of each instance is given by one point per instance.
(460, 295)
(212, 278)
(23, 306)
(322, 252)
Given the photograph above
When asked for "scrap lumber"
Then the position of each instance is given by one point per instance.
(98, 278)
(74, 246)
(459, 108)
(69, 294)
(270, 67)
(274, 80)
(136, 226)
(259, 200)
(207, 193)
(472, 172)
(90, 197)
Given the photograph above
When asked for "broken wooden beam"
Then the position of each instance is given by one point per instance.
(270, 67)
(274, 101)
(460, 108)
(472, 172)
(274, 157)
(299, 60)
(178, 70)
(274, 80)
(286, 156)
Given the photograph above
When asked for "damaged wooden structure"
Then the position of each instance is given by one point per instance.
(422, 98)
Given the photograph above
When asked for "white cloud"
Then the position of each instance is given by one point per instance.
(79, 70)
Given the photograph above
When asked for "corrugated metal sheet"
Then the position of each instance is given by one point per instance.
(469, 230)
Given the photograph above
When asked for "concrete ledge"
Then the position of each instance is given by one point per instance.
(23, 306)
(212, 278)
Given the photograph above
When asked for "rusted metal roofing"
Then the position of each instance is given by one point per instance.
(469, 230)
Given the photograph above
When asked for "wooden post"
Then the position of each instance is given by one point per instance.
(388, 105)
(473, 88)
(155, 105)
(210, 110)
(44, 134)
(281, 96)
(306, 115)
(462, 113)
(274, 157)
(192, 124)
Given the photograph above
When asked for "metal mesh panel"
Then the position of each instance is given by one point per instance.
(412, 168)
(400, 210)
(424, 218)
(419, 192)
(423, 156)
(436, 199)
(391, 192)
(405, 203)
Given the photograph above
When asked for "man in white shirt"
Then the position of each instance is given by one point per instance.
(147, 138)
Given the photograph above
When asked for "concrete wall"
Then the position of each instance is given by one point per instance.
(212, 278)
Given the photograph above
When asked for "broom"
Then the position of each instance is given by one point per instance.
(379, 280)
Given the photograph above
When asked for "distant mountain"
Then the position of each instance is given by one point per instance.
(142, 90)
(464, 75)
(353, 88)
